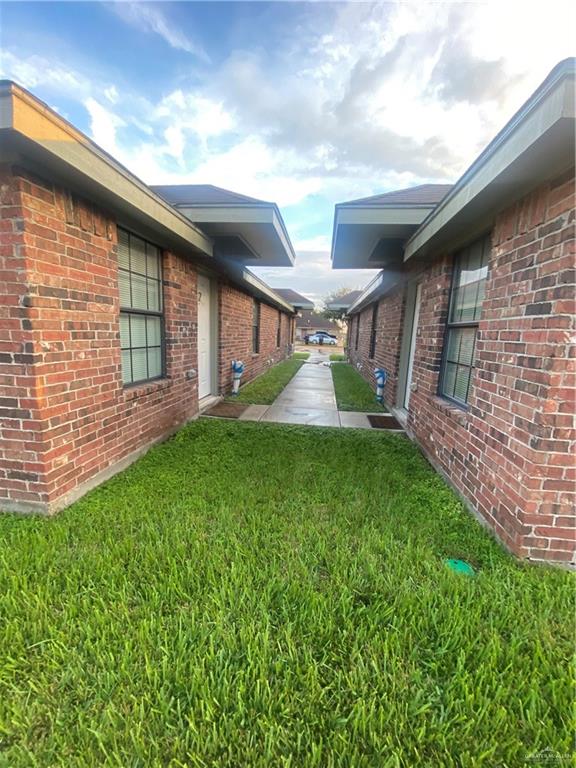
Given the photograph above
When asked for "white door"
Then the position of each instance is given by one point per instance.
(412, 347)
(204, 338)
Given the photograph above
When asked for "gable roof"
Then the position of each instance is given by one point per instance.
(361, 225)
(315, 321)
(202, 194)
(243, 228)
(294, 298)
(424, 194)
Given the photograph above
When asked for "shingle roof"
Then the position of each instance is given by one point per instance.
(344, 301)
(202, 194)
(424, 194)
(313, 320)
(295, 298)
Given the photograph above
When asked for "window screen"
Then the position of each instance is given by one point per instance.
(255, 326)
(467, 294)
(141, 311)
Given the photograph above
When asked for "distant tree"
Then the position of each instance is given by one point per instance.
(335, 314)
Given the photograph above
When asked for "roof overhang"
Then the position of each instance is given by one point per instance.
(536, 145)
(384, 281)
(244, 278)
(258, 230)
(365, 237)
(34, 135)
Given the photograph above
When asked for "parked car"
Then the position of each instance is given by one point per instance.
(321, 337)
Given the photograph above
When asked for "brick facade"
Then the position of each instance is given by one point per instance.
(235, 343)
(511, 453)
(66, 420)
(388, 339)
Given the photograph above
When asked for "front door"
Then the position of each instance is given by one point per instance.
(412, 349)
(204, 337)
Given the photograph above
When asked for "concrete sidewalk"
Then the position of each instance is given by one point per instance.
(309, 398)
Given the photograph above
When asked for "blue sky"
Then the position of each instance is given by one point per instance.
(307, 104)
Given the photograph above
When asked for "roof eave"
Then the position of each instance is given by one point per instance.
(34, 131)
(251, 219)
(246, 278)
(381, 284)
(374, 222)
(544, 119)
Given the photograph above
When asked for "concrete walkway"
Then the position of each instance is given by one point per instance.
(309, 398)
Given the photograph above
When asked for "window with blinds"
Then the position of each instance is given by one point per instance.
(141, 310)
(357, 337)
(255, 327)
(466, 297)
(279, 329)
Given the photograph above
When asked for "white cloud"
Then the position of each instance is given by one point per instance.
(317, 243)
(366, 97)
(206, 117)
(103, 125)
(149, 18)
(111, 94)
(360, 98)
(34, 71)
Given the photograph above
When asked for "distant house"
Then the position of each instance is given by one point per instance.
(472, 316)
(308, 323)
(307, 320)
(124, 305)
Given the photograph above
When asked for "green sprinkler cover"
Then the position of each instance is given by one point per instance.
(460, 567)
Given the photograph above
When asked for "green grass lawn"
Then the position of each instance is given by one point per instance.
(264, 595)
(336, 358)
(266, 388)
(300, 355)
(353, 393)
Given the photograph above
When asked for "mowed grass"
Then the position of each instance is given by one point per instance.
(300, 355)
(353, 393)
(264, 595)
(266, 388)
(336, 358)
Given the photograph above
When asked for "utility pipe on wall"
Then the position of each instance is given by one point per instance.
(237, 371)
(381, 377)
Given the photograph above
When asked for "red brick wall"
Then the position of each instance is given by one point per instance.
(72, 418)
(511, 454)
(65, 416)
(20, 440)
(388, 339)
(235, 341)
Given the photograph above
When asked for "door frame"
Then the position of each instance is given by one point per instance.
(214, 331)
(408, 345)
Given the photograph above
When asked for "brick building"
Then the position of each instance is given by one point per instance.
(472, 316)
(121, 306)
